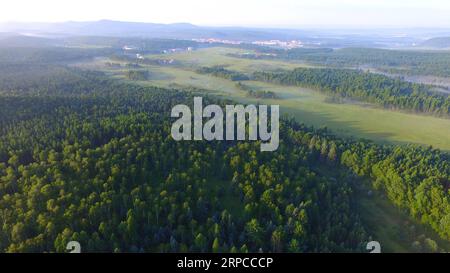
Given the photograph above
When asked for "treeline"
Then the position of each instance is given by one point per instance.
(253, 93)
(97, 165)
(415, 179)
(220, 71)
(52, 79)
(103, 170)
(261, 52)
(137, 75)
(142, 45)
(374, 88)
(131, 60)
(49, 55)
(435, 63)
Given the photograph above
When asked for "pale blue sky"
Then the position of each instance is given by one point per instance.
(276, 13)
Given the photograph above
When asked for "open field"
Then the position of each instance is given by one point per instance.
(218, 56)
(308, 106)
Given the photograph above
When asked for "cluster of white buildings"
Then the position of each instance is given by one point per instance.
(172, 50)
(282, 44)
(175, 50)
(271, 43)
(128, 48)
(219, 41)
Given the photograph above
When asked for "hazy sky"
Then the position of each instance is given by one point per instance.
(404, 13)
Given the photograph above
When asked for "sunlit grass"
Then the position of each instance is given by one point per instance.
(308, 106)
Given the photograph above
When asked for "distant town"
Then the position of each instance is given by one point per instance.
(273, 43)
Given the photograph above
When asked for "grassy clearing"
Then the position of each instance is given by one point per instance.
(310, 107)
(218, 56)
(394, 229)
(391, 227)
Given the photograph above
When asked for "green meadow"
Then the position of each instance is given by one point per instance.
(218, 56)
(311, 107)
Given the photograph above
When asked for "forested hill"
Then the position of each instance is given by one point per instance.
(374, 88)
(221, 72)
(438, 42)
(96, 164)
(409, 62)
(102, 169)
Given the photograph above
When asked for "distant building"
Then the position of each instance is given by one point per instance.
(218, 41)
(127, 48)
(278, 43)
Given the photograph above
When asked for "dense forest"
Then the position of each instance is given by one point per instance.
(137, 75)
(436, 63)
(254, 93)
(418, 62)
(219, 71)
(374, 88)
(48, 55)
(87, 158)
(102, 169)
(142, 45)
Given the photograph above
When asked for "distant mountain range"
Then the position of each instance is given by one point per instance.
(148, 30)
(16, 40)
(382, 38)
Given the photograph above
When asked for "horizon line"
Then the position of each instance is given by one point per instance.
(268, 26)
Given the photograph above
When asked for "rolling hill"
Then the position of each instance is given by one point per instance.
(438, 42)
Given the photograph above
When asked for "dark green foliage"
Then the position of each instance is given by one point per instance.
(259, 94)
(436, 63)
(85, 158)
(369, 87)
(221, 72)
(415, 179)
(48, 55)
(137, 75)
(100, 167)
(402, 61)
